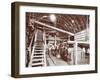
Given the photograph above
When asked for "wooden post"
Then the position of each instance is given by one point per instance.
(75, 54)
(44, 39)
(55, 41)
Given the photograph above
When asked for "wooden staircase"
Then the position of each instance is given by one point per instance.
(38, 56)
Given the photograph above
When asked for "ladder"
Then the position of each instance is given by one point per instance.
(38, 56)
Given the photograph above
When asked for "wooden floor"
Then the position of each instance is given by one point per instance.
(53, 61)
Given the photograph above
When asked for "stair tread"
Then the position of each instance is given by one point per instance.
(39, 50)
(38, 56)
(40, 65)
(37, 59)
(39, 53)
(38, 46)
(37, 63)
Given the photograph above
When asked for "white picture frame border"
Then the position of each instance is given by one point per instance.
(53, 69)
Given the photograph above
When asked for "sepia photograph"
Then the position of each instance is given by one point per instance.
(57, 39)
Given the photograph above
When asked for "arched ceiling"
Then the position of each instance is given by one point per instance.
(70, 22)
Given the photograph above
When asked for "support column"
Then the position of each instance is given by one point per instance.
(44, 39)
(68, 37)
(55, 41)
(75, 54)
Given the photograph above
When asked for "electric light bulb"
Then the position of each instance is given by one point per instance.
(52, 17)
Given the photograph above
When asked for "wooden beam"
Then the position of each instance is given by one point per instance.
(53, 27)
(75, 54)
(79, 42)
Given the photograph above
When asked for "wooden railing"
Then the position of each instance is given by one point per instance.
(32, 51)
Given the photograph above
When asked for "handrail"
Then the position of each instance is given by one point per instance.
(33, 49)
(29, 48)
